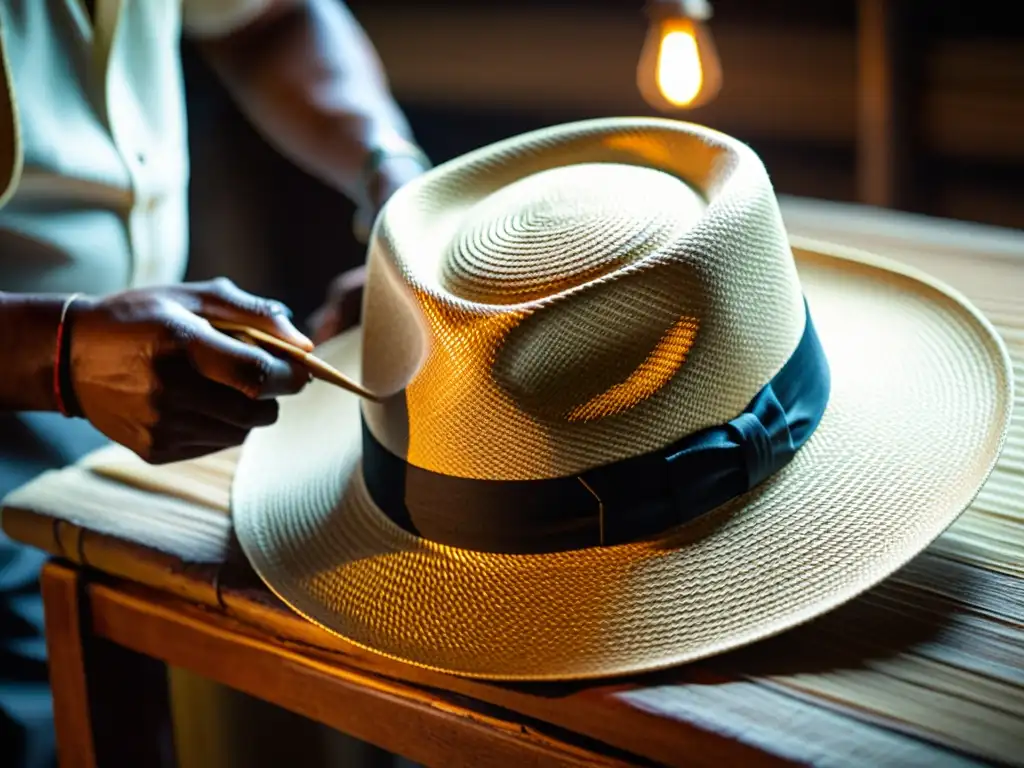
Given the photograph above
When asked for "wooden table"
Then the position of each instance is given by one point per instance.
(923, 670)
(111, 700)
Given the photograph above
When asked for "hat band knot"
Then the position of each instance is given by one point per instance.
(767, 445)
(619, 502)
(758, 439)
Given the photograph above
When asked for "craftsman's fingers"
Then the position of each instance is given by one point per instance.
(246, 368)
(222, 300)
(213, 400)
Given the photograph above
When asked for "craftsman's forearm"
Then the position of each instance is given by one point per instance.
(28, 337)
(309, 79)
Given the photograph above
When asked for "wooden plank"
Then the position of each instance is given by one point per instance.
(426, 727)
(884, 104)
(707, 705)
(66, 658)
(118, 557)
(651, 715)
(688, 716)
(111, 706)
(978, 259)
(238, 592)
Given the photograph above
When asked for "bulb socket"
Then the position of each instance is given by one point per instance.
(697, 10)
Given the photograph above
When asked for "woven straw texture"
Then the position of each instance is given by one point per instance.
(564, 299)
(920, 402)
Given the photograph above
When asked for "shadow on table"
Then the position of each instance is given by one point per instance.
(902, 614)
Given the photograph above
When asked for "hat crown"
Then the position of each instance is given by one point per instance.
(575, 296)
(562, 227)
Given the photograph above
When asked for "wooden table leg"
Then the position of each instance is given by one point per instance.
(110, 704)
(66, 655)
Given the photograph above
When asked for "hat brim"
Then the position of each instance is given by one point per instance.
(920, 404)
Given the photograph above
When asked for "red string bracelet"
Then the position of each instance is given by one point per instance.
(58, 356)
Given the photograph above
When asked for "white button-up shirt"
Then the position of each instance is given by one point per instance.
(93, 149)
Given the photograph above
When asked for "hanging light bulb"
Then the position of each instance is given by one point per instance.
(679, 67)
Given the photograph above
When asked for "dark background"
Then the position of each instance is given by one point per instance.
(468, 73)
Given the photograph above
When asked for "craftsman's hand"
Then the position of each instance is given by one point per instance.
(152, 374)
(340, 309)
(392, 174)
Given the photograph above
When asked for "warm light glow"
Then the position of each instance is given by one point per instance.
(680, 75)
(679, 66)
(664, 362)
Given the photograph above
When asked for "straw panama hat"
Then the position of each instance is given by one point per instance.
(624, 421)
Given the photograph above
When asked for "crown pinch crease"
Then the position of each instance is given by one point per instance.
(667, 357)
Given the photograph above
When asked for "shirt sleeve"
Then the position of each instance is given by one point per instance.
(212, 18)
